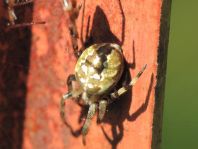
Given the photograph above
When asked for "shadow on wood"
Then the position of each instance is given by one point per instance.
(119, 110)
(14, 66)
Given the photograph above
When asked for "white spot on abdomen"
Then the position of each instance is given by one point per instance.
(84, 68)
(95, 76)
(96, 61)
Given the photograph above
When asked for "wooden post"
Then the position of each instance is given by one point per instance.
(15, 47)
(133, 121)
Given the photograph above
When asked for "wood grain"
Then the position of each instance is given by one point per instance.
(141, 27)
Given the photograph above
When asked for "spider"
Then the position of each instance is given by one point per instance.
(11, 4)
(97, 72)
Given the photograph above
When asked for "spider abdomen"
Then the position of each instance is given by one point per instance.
(99, 68)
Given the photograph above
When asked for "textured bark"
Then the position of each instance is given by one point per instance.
(134, 120)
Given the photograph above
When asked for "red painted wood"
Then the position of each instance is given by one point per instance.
(129, 121)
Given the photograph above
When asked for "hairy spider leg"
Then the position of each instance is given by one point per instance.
(66, 96)
(62, 105)
(102, 109)
(90, 115)
(73, 11)
(25, 24)
(15, 4)
(12, 15)
(125, 88)
(70, 78)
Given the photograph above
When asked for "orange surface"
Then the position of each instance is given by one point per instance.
(129, 120)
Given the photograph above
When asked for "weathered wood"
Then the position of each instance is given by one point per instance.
(133, 121)
(14, 66)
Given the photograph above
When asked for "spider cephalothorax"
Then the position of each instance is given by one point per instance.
(97, 72)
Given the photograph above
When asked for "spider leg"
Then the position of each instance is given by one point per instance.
(72, 92)
(62, 105)
(91, 113)
(123, 89)
(123, 23)
(102, 109)
(12, 16)
(13, 25)
(74, 87)
(22, 3)
(73, 12)
(70, 78)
